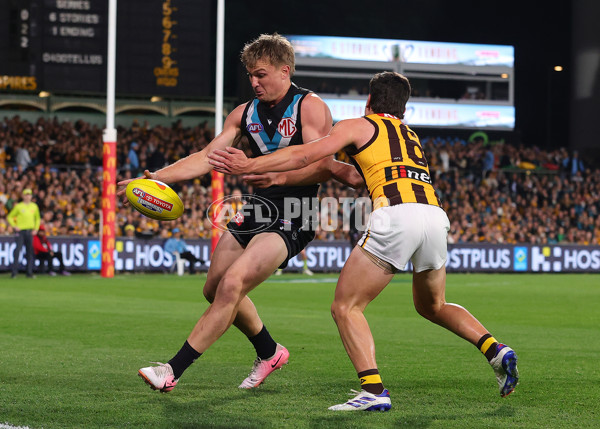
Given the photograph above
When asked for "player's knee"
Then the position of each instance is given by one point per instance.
(210, 286)
(423, 311)
(429, 311)
(339, 311)
(209, 292)
(229, 289)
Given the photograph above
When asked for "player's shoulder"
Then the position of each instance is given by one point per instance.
(314, 105)
(312, 100)
(239, 109)
(359, 130)
(315, 111)
(236, 114)
(360, 122)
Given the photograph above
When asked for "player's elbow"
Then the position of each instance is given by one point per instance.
(357, 182)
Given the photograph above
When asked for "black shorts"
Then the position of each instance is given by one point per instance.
(245, 225)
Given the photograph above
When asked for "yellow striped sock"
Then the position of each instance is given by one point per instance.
(370, 379)
(487, 344)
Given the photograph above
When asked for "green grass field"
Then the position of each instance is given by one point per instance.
(70, 348)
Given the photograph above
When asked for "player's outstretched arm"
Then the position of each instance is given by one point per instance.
(196, 164)
(346, 174)
(317, 172)
(234, 161)
(326, 169)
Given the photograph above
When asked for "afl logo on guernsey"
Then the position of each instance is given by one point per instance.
(287, 127)
(254, 128)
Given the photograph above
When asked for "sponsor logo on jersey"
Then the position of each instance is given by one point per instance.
(254, 127)
(287, 127)
(394, 172)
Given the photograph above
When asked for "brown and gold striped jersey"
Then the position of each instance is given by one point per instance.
(393, 164)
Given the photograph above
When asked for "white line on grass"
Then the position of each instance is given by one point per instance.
(8, 426)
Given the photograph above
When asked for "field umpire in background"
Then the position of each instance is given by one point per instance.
(25, 219)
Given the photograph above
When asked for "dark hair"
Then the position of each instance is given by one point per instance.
(272, 47)
(389, 93)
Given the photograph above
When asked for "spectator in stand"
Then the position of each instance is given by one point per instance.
(44, 253)
(3, 156)
(23, 159)
(488, 161)
(129, 231)
(134, 160)
(146, 228)
(574, 164)
(25, 220)
(176, 245)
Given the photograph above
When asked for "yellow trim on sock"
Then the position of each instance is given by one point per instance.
(486, 344)
(370, 379)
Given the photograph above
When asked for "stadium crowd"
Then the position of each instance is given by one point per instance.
(493, 193)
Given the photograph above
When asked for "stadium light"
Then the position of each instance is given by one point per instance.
(558, 68)
(44, 94)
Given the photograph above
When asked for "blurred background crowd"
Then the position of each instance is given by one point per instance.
(493, 192)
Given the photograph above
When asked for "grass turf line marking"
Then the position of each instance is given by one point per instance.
(9, 426)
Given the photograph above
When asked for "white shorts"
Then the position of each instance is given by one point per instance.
(409, 231)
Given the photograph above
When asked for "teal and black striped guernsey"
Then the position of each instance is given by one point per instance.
(271, 128)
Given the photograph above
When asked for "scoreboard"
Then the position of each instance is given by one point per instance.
(163, 46)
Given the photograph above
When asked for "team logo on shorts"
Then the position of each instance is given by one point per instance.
(256, 215)
(287, 127)
(238, 218)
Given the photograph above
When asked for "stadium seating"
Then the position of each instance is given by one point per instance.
(495, 193)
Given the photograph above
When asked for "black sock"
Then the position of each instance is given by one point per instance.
(487, 345)
(370, 380)
(264, 344)
(183, 359)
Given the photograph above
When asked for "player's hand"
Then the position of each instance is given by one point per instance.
(123, 185)
(229, 161)
(263, 180)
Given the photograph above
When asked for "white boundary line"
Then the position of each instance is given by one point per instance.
(9, 426)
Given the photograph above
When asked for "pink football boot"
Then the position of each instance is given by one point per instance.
(263, 367)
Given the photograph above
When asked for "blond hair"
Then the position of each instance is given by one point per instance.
(272, 47)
